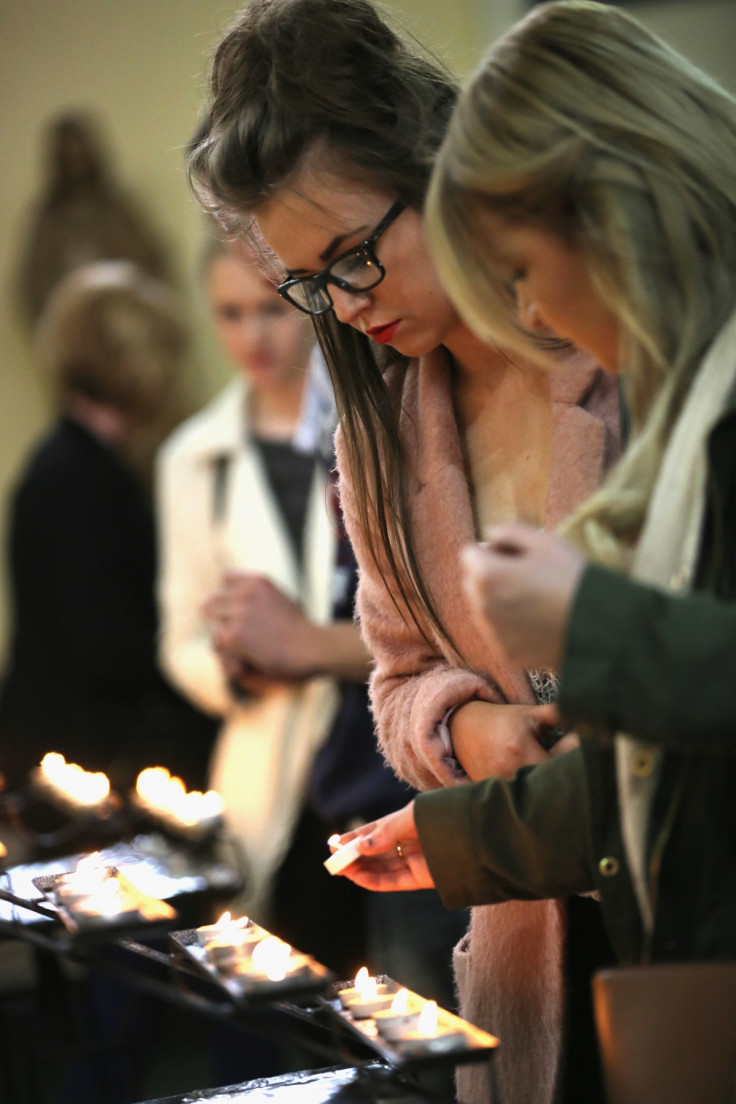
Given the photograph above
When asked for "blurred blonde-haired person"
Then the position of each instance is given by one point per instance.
(82, 676)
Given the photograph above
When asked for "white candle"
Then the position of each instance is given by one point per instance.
(227, 939)
(401, 1017)
(273, 959)
(366, 997)
(429, 1033)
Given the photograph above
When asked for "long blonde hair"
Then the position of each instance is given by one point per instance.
(582, 122)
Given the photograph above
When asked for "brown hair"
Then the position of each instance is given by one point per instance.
(331, 80)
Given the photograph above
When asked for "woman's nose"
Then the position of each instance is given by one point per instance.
(349, 305)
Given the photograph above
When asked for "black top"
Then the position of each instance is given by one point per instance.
(82, 677)
(290, 475)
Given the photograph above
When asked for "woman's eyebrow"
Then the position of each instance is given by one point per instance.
(337, 241)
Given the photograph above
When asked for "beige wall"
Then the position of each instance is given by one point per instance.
(139, 65)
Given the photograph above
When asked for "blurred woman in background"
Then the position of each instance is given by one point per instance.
(82, 677)
(245, 525)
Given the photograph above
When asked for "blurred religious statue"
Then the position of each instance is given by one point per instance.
(81, 216)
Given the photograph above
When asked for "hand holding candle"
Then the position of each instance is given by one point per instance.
(390, 856)
(522, 583)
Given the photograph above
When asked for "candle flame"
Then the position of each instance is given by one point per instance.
(108, 899)
(366, 985)
(226, 921)
(77, 785)
(227, 931)
(361, 977)
(400, 1003)
(271, 957)
(89, 874)
(168, 795)
(102, 890)
(428, 1019)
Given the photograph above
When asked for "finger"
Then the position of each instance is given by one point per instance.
(364, 829)
(389, 831)
(547, 714)
(380, 880)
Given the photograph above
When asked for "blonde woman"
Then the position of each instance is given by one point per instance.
(586, 152)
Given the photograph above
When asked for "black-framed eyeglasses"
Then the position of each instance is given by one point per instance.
(356, 270)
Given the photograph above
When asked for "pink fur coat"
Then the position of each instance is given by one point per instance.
(509, 967)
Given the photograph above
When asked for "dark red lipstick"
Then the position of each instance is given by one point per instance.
(383, 334)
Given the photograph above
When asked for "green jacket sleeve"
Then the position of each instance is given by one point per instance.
(520, 840)
(657, 665)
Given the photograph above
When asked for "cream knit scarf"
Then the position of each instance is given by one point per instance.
(667, 557)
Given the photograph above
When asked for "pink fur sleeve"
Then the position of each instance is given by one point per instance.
(413, 683)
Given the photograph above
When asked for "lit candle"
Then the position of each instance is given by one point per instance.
(429, 1033)
(85, 881)
(166, 796)
(400, 1018)
(227, 939)
(273, 959)
(70, 783)
(366, 997)
(92, 889)
(94, 893)
(107, 900)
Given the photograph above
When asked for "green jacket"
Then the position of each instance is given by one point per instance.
(663, 668)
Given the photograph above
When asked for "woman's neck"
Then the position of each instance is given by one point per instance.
(504, 419)
(477, 364)
(275, 411)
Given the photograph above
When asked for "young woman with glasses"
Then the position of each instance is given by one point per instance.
(587, 151)
(320, 135)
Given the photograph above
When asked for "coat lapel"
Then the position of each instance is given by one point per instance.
(579, 455)
(579, 439)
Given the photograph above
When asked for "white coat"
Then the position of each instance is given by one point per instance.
(266, 746)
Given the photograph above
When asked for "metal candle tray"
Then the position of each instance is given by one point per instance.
(463, 1042)
(138, 910)
(171, 872)
(246, 988)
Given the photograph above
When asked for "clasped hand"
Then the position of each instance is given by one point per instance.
(256, 629)
(522, 583)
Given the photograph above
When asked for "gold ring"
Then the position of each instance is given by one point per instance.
(399, 851)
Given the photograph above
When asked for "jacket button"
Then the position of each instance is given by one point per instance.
(609, 866)
(642, 763)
